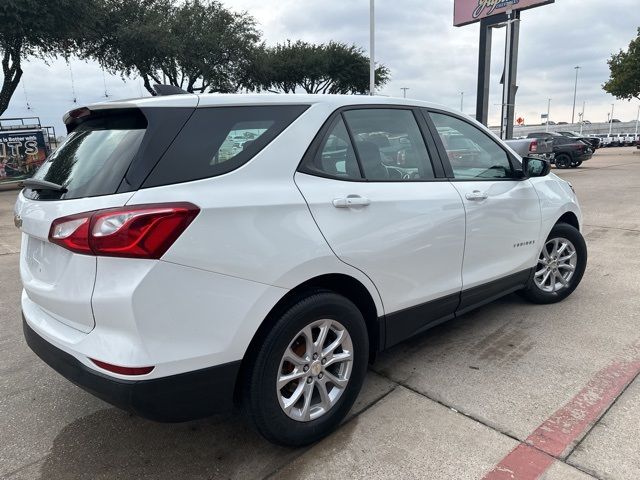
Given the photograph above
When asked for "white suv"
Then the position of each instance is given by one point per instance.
(184, 254)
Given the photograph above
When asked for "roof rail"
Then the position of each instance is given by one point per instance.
(163, 90)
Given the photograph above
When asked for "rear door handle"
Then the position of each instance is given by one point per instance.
(476, 195)
(351, 201)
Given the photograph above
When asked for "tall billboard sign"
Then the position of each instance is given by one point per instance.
(469, 11)
(21, 153)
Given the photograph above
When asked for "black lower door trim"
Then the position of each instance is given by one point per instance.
(403, 324)
(406, 323)
(482, 294)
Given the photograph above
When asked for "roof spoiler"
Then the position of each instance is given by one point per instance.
(163, 90)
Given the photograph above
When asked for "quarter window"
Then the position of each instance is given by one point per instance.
(472, 153)
(217, 140)
(336, 157)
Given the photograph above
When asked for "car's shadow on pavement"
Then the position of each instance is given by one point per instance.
(114, 444)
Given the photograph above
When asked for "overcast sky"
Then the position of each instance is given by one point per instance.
(416, 40)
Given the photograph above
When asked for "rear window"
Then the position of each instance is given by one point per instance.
(94, 157)
(217, 140)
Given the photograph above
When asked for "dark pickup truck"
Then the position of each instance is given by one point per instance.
(569, 152)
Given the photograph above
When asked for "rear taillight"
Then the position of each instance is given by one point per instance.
(139, 231)
(533, 146)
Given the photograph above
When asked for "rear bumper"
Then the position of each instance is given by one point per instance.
(175, 398)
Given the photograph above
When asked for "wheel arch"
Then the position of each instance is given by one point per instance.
(339, 283)
(570, 218)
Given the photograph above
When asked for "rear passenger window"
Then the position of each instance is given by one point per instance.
(389, 144)
(217, 140)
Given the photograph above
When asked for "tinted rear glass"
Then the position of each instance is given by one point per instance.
(94, 158)
(217, 140)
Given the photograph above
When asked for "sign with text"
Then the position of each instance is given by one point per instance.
(21, 153)
(469, 11)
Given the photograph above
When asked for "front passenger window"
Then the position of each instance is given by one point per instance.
(472, 153)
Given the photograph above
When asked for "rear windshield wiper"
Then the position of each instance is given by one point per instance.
(35, 184)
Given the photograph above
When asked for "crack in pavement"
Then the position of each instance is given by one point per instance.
(612, 228)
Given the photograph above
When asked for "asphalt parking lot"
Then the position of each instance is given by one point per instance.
(512, 390)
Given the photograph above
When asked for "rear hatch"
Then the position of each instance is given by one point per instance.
(107, 155)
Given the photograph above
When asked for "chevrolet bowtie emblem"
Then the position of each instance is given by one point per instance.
(17, 221)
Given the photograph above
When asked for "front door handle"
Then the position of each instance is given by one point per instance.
(476, 195)
(351, 201)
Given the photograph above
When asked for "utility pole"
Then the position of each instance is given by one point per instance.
(372, 54)
(548, 110)
(404, 91)
(611, 120)
(462, 102)
(575, 90)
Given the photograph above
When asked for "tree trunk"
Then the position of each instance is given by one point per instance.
(147, 85)
(12, 73)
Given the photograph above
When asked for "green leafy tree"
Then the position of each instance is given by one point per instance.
(334, 68)
(39, 28)
(197, 46)
(624, 82)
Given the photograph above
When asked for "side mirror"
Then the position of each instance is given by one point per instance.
(535, 167)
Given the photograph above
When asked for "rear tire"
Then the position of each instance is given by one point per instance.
(563, 161)
(558, 272)
(288, 393)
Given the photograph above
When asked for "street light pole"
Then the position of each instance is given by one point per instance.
(404, 91)
(581, 115)
(372, 60)
(462, 102)
(637, 119)
(548, 109)
(611, 120)
(575, 90)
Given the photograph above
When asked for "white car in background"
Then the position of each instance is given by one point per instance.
(175, 272)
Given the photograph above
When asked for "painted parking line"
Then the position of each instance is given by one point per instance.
(557, 435)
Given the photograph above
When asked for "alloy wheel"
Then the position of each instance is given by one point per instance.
(315, 370)
(556, 265)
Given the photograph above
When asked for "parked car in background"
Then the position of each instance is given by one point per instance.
(569, 152)
(604, 140)
(269, 275)
(629, 139)
(611, 140)
(592, 140)
(533, 147)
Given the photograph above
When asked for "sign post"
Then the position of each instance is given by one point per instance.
(495, 14)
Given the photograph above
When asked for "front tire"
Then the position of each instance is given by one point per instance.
(563, 161)
(561, 265)
(576, 164)
(308, 371)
